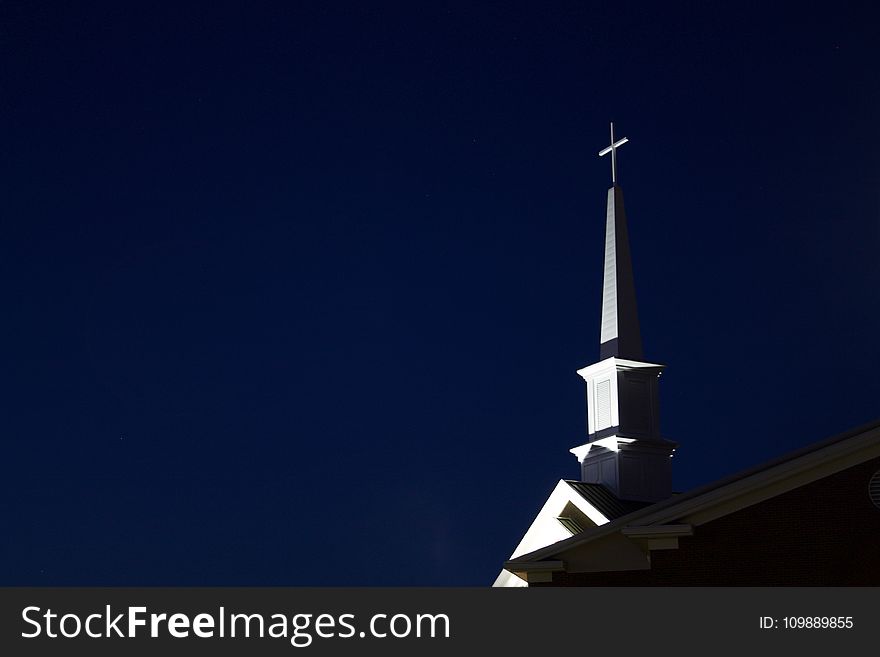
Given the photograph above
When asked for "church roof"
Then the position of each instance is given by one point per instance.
(726, 495)
(604, 500)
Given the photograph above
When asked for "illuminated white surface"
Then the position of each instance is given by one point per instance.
(612, 443)
(607, 370)
(609, 281)
(546, 529)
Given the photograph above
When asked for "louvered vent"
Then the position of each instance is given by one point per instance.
(874, 489)
(603, 405)
(570, 524)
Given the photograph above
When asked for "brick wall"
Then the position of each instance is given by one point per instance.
(826, 533)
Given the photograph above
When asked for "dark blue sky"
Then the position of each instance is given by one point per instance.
(295, 293)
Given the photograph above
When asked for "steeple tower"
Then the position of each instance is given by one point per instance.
(624, 450)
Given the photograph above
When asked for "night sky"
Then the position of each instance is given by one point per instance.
(294, 293)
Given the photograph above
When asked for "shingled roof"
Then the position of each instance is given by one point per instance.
(605, 501)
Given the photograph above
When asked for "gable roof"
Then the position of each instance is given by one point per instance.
(732, 493)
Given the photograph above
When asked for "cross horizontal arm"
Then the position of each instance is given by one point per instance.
(616, 144)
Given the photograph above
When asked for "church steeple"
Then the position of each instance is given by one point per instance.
(625, 451)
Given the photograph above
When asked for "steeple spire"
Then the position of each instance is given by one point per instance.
(620, 335)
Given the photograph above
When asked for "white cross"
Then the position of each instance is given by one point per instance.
(613, 150)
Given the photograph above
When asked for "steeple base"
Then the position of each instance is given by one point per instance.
(631, 468)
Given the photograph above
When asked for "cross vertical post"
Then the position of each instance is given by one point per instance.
(613, 150)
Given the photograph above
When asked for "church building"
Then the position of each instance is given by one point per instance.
(809, 518)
